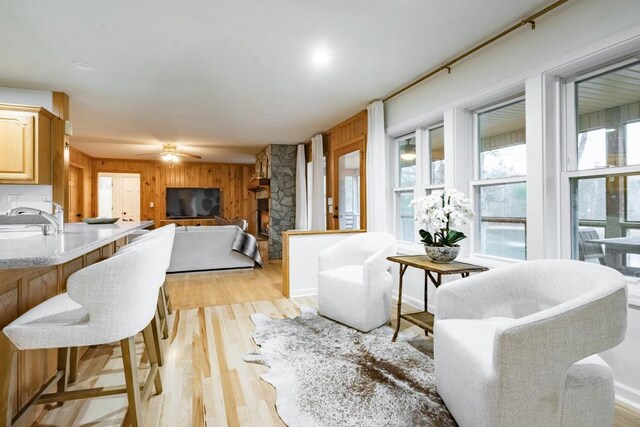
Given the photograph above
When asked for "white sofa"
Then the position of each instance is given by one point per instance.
(516, 346)
(206, 248)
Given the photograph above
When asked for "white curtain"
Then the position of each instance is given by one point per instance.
(376, 168)
(301, 190)
(318, 216)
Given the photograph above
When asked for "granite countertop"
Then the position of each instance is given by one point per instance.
(77, 240)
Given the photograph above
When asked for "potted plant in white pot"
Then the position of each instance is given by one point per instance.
(441, 212)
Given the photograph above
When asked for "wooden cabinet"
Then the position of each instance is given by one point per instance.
(26, 135)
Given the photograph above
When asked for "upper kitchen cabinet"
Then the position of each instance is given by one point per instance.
(26, 135)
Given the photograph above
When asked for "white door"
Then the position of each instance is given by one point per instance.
(131, 198)
(119, 195)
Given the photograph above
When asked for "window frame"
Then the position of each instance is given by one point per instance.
(397, 189)
(476, 183)
(569, 164)
(423, 183)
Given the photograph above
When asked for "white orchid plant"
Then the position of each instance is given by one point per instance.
(441, 212)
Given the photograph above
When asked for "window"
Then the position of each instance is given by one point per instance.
(406, 179)
(419, 159)
(604, 168)
(436, 150)
(500, 189)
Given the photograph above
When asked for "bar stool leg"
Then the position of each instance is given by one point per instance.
(134, 414)
(63, 359)
(155, 327)
(149, 345)
(164, 315)
(73, 365)
(167, 299)
(8, 360)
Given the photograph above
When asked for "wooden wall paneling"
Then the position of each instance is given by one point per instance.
(157, 176)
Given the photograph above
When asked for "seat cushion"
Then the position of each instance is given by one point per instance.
(351, 274)
(48, 324)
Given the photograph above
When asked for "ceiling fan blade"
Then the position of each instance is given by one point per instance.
(150, 154)
(193, 156)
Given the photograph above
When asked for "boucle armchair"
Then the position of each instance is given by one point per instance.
(354, 284)
(516, 346)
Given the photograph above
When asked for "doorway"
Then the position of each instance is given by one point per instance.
(349, 188)
(119, 195)
(76, 194)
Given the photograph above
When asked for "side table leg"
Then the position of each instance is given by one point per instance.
(403, 268)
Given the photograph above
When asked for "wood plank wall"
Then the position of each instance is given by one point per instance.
(156, 176)
(351, 131)
(85, 162)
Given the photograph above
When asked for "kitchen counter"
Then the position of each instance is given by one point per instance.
(36, 268)
(77, 240)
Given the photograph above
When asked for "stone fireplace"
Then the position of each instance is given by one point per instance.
(263, 218)
(278, 164)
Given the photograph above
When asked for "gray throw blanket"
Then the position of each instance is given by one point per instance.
(246, 244)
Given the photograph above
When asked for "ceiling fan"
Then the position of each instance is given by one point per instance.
(171, 154)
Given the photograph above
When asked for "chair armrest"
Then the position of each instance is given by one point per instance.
(600, 315)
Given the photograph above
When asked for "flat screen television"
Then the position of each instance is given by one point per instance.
(193, 202)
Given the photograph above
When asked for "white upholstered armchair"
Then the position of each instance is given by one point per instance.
(354, 284)
(516, 346)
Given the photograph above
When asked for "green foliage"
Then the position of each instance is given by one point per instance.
(439, 238)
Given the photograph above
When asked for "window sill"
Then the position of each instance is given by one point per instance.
(411, 248)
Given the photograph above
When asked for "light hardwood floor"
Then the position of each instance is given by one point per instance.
(205, 380)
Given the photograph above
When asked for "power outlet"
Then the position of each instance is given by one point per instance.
(150, 204)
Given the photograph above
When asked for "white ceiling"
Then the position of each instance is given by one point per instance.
(224, 78)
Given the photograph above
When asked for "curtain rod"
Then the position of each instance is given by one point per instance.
(447, 65)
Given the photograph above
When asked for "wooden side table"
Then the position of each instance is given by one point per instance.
(424, 319)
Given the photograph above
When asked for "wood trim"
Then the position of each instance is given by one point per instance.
(285, 263)
(286, 281)
(357, 144)
(350, 131)
(60, 156)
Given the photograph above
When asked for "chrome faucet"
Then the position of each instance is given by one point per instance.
(57, 219)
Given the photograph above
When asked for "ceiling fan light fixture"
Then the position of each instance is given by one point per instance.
(169, 157)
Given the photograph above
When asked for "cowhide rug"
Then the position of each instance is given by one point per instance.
(327, 374)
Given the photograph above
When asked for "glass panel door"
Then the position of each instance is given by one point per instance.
(349, 191)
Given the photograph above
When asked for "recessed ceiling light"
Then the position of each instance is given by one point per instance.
(321, 57)
(84, 66)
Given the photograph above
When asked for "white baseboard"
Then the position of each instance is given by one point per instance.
(627, 395)
(306, 292)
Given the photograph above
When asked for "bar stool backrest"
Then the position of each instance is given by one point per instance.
(166, 234)
(119, 293)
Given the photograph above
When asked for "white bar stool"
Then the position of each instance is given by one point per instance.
(109, 301)
(167, 234)
(160, 322)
